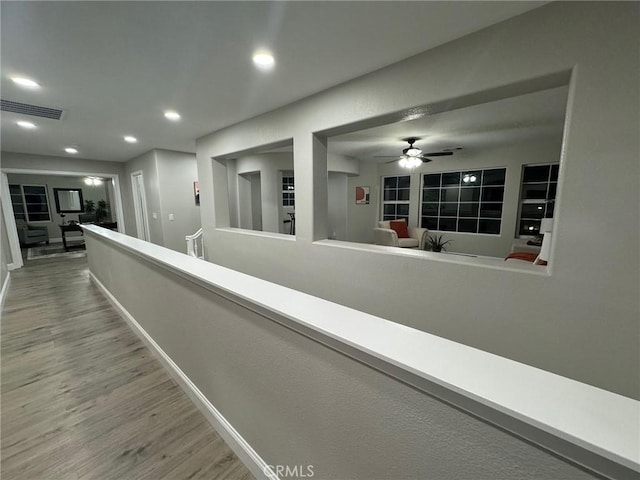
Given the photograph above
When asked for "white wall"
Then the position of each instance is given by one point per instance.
(168, 183)
(579, 318)
(340, 169)
(296, 401)
(89, 192)
(176, 173)
(5, 251)
(338, 196)
(242, 174)
(362, 218)
(147, 164)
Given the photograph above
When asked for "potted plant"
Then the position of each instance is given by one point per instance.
(89, 206)
(102, 211)
(437, 243)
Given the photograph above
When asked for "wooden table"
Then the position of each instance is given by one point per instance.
(71, 227)
(75, 227)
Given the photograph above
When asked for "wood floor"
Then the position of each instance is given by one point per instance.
(83, 398)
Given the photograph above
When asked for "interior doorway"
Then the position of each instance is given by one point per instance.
(140, 206)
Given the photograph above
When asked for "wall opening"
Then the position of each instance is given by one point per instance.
(260, 186)
(478, 179)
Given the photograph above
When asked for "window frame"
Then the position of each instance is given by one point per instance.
(288, 195)
(26, 205)
(17, 202)
(395, 202)
(547, 204)
(476, 204)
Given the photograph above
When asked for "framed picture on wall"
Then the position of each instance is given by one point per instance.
(196, 192)
(362, 195)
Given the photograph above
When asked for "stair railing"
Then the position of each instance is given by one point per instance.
(195, 245)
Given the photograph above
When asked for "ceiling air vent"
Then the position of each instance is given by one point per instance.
(26, 109)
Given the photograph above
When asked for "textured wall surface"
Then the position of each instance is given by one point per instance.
(580, 320)
(297, 402)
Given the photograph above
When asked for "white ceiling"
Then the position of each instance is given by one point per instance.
(527, 117)
(114, 67)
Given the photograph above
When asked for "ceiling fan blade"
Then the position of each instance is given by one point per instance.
(437, 154)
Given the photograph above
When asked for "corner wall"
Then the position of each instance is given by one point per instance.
(176, 173)
(147, 164)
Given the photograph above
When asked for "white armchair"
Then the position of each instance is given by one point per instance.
(383, 234)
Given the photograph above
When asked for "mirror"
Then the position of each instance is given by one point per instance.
(69, 200)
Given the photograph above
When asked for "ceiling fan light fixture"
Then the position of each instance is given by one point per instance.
(93, 181)
(410, 162)
(413, 152)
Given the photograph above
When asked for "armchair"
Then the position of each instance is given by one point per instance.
(384, 235)
(31, 234)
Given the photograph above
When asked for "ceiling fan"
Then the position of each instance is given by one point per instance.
(412, 156)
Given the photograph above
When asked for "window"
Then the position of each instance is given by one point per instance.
(395, 197)
(31, 201)
(288, 191)
(17, 202)
(468, 201)
(537, 196)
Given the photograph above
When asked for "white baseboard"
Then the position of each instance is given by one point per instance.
(5, 289)
(258, 467)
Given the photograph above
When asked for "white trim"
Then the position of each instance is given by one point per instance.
(119, 209)
(5, 290)
(258, 467)
(141, 210)
(554, 412)
(24, 202)
(10, 224)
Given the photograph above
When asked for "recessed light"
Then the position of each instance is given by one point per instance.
(71, 150)
(263, 59)
(130, 139)
(25, 82)
(172, 115)
(25, 124)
